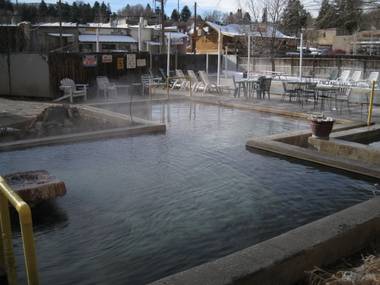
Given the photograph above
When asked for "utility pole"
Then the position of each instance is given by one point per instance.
(178, 6)
(195, 29)
(162, 26)
(60, 24)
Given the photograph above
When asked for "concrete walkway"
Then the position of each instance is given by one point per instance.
(16, 111)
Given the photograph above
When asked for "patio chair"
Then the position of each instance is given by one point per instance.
(355, 78)
(180, 82)
(237, 86)
(373, 76)
(309, 93)
(289, 92)
(148, 84)
(343, 96)
(208, 86)
(72, 90)
(343, 78)
(263, 86)
(332, 77)
(196, 84)
(104, 85)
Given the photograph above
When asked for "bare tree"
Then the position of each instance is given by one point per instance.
(267, 31)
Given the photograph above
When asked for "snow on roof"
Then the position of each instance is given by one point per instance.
(107, 39)
(158, 27)
(235, 30)
(88, 25)
(175, 35)
(58, 35)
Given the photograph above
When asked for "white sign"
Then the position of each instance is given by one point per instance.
(141, 62)
(131, 61)
(107, 58)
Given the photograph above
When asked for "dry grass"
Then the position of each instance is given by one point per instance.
(366, 274)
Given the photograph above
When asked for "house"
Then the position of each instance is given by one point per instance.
(234, 38)
(366, 42)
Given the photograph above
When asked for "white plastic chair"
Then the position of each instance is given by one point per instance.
(208, 86)
(355, 78)
(196, 84)
(72, 90)
(104, 85)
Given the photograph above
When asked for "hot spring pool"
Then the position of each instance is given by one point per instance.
(140, 208)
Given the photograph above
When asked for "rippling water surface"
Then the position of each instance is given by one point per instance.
(140, 208)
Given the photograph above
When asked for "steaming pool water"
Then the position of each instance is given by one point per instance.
(141, 208)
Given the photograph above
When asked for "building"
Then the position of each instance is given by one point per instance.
(234, 38)
(365, 42)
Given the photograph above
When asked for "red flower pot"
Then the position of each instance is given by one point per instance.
(321, 129)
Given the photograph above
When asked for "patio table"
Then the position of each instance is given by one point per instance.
(326, 92)
(248, 85)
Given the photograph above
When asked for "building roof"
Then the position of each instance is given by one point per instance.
(175, 35)
(235, 30)
(58, 35)
(106, 39)
(88, 25)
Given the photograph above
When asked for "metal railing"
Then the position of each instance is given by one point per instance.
(7, 258)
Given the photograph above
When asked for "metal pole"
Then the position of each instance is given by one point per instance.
(162, 27)
(249, 55)
(225, 63)
(60, 24)
(207, 63)
(97, 38)
(195, 28)
(168, 58)
(370, 107)
(301, 54)
(219, 51)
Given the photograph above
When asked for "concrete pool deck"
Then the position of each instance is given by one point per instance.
(123, 125)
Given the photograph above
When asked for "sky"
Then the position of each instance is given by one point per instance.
(203, 5)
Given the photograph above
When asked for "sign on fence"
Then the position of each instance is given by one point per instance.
(131, 61)
(90, 60)
(141, 62)
(106, 58)
(120, 63)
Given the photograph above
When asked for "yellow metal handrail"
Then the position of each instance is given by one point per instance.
(7, 258)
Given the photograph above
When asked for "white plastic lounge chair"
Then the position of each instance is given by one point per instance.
(72, 90)
(208, 86)
(344, 76)
(180, 82)
(373, 76)
(355, 78)
(196, 84)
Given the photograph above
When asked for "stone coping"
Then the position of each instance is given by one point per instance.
(346, 145)
(143, 127)
(294, 145)
(285, 258)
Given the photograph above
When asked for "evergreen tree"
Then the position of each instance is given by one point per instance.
(185, 14)
(264, 18)
(348, 14)
(294, 17)
(42, 11)
(246, 18)
(75, 13)
(175, 15)
(52, 12)
(327, 17)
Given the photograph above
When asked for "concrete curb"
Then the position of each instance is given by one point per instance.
(285, 258)
(145, 127)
